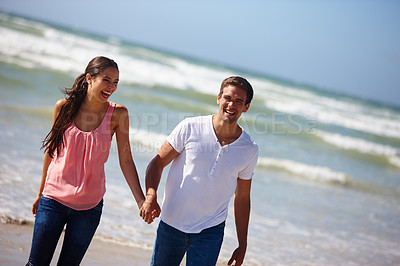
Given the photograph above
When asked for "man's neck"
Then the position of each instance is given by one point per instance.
(225, 132)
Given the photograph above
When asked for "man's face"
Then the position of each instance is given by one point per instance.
(232, 103)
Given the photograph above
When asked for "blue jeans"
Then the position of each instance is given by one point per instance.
(50, 219)
(201, 249)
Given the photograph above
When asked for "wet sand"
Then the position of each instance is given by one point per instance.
(15, 241)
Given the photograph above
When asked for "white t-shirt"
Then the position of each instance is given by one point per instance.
(203, 177)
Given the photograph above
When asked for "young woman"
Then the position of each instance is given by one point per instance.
(73, 181)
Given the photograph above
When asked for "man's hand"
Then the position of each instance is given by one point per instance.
(150, 209)
(238, 256)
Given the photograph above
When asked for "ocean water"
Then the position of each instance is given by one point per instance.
(326, 190)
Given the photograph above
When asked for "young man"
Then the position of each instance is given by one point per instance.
(213, 159)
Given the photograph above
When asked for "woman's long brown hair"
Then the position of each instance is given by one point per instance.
(75, 96)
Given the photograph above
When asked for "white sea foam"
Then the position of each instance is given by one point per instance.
(178, 75)
(342, 113)
(146, 141)
(362, 146)
(68, 52)
(309, 172)
(345, 112)
(395, 160)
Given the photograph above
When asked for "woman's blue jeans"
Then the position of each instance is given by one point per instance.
(50, 219)
(201, 249)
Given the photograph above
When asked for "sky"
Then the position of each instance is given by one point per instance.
(348, 46)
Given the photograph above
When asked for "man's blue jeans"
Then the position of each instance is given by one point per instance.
(50, 219)
(201, 249)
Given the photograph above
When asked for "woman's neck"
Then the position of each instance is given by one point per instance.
(92, 106)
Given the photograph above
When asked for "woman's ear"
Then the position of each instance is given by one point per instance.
(89, 78)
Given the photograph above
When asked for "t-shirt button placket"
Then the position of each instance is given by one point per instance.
(216, 161)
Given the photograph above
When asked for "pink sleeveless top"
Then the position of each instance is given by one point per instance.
(75, 177)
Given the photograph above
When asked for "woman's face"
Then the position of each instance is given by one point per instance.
(103, 85)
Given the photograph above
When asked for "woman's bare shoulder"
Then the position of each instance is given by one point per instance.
(59, 104)
(120, 117)
(120, 109)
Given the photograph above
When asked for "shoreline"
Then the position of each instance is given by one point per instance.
(15, 242)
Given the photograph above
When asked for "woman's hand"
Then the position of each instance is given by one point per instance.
(35, 205)
(150, 210)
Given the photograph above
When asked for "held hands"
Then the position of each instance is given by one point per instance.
(150, 209)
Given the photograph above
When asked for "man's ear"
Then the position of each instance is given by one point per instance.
(246, 108)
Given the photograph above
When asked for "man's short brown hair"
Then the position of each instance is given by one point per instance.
(241, 83)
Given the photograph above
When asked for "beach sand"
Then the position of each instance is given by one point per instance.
(15, 242)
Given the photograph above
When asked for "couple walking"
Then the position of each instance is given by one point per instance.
(212, 157)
